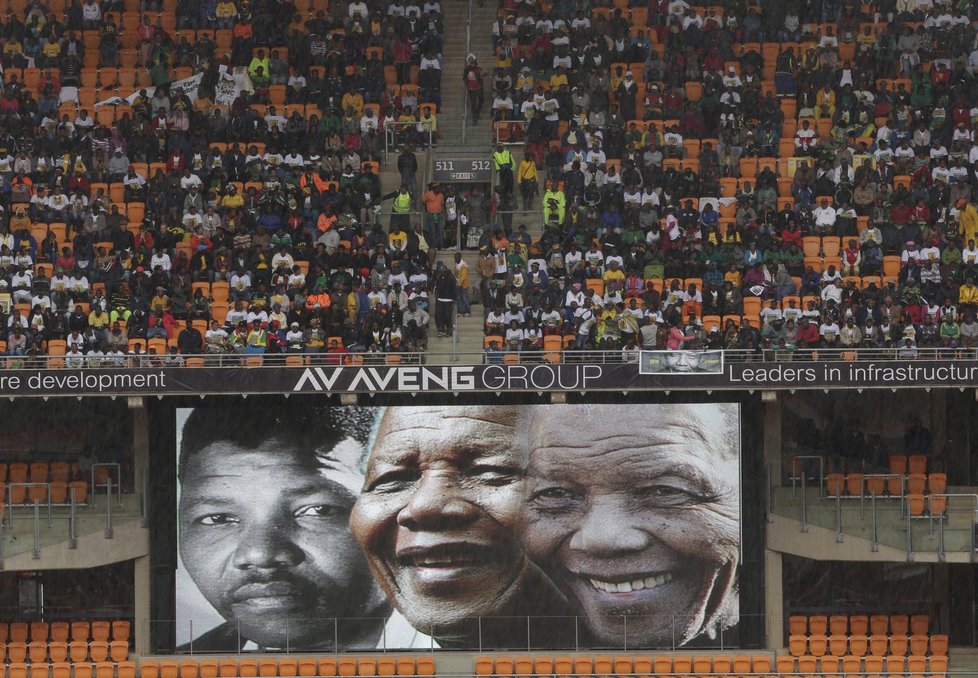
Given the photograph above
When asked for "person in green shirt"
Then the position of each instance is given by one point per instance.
(950, 332)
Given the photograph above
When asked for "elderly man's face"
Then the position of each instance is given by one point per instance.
(637, 521)
(443, 491)
(277, 558)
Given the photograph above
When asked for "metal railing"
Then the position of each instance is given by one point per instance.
(391, 135)
(877, 494)
(52, 522)
(465, 89)
(567, 355)
(521, 633)
(508, 125)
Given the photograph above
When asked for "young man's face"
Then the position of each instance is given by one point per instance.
(264, 535)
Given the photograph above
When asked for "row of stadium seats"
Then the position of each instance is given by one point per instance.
(76, 651)
(893, 665)
(62, 631)
(859, 624)
(879, 646)
(288, 666)
(124, 669)
(860, 485)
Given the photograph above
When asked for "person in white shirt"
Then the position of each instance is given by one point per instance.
(831, 291)
(931, 253)
(969, 255)
(731, 79)
(20, 285)
(75, 359)
(806, 139)
(272, 117)
(368, 121)
(188, 179)
(78, 284)
(829, 331)
(94, 358)
(825, 216)
(192, 219)
(910, 253)
(162, 259)
(83, 122)
(235, 315)
(257, 313)
(240, 285)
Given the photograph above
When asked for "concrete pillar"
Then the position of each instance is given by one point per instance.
(773, 597)
(141, 566)
(141, 606)
(772, 429)
(773, 600)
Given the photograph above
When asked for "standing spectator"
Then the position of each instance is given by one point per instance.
(434, 209)
(446, 291)
(462, 283)
(475, 87)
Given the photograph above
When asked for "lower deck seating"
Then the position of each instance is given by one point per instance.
(287, 667)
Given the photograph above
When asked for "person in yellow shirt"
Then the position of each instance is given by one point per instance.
(554, 204)
(353, 100)
(428, 126)
(559, 78)
(231, 199)
(733, 276)
(225, 12)
(967, 220)
(825, 102)
(397, 240)
(462, 285)
(968, 293)
(260, 59)
(51, 51)
(614, 277)
(526, 177)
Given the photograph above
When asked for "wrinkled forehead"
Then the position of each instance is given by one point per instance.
(427, 431)
(706, 426)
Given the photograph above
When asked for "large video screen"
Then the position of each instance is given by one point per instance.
(349, 528)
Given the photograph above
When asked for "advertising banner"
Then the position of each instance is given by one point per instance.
(318, 528)
(655, 370)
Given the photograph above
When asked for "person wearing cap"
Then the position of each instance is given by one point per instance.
(295, 339)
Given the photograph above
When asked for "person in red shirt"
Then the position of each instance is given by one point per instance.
(336, 353)
(808, 333)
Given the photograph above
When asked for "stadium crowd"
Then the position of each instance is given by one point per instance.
(740, 175)
(248, 226)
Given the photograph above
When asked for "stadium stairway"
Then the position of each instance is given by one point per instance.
(469, 330)
(453, 62)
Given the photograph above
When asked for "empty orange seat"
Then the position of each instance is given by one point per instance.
(101, 630)
(818, 645)
(189, 668)
(149, 668)
(169, 668)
